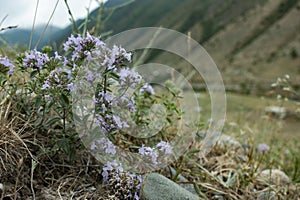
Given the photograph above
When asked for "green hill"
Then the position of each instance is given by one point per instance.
(252, 42)
(22, 36)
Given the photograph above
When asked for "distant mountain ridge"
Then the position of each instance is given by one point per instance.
(22, 36)
(249, 40)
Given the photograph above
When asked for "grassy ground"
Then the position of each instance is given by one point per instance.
(248, 112)
(223, 173)
(31, 169)
(248, 123)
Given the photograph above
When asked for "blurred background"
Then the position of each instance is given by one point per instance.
(252, 42)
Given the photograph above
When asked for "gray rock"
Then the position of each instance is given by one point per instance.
(218, 197)
(187, 186)
(221, 140)
(158, 187)
(266, 195)
(276, 111)
(274, 176)
(227, 142)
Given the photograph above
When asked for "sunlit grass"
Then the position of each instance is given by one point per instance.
(249, 124)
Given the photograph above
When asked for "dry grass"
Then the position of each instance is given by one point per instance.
(30, 169)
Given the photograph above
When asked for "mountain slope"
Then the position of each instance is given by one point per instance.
(252, 42)
(258, 45)
(180, 15)
(22, 36)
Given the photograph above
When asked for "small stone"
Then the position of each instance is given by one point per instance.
(158, 187)
(182, 179)
(276, 111)
(218, 197)
(221, 140)
(225, 141)
(266, 195)
(274, 176)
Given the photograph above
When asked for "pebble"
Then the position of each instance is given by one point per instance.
(225, 141)
(274, 176)
(266, 195)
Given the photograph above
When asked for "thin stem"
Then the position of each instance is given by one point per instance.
(146, 50)
(45, 28)
(3, 19)
(86, 19)
(33, 166)
(258, 164)
(105, 82)
(99, 24)
(32, 29)
(64, 120)
(72, 18)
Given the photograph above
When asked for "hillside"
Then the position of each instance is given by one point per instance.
(261, 44)
(22, 36)
(252, 42)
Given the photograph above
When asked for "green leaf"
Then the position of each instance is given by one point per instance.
(72, 154)
(134, 147)
(49, 106)
(3, 82)
(38, 101)
(33, 74)
(193, 151)
(38, 122)
(64, 100)
(115, 76)
(51, 122)
(64, 145)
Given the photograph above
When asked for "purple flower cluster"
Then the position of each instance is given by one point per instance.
(149, 152)
(81, 47)
(125, 185)
(147, 88)
(108, 102)
(263, 148)
(58, 79)
(152, 153)
(104, 144)
(115, 56)
(7, 63)
(91, 47)
(110, 166)
(109, 121)
(35, 59)
(129, 78)
(164, 147)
